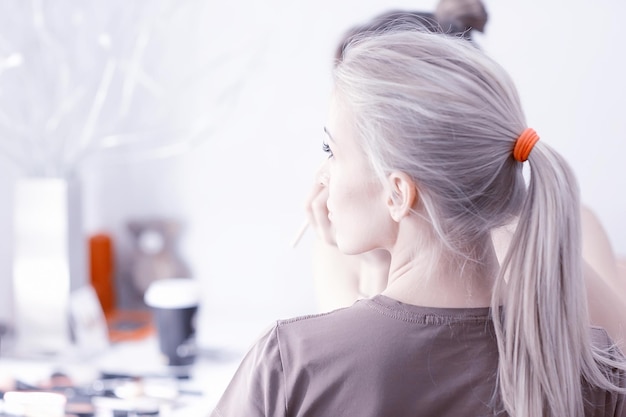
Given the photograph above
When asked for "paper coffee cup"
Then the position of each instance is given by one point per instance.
(174, 302)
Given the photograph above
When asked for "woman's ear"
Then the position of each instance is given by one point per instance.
(403, 195)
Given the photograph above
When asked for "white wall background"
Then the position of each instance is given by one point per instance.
(240, 192)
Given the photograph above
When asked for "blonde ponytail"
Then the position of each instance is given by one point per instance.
(540, 332)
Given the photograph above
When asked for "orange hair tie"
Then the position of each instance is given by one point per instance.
(524, 144)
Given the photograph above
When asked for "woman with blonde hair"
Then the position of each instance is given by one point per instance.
(342, 279)
(426, 142)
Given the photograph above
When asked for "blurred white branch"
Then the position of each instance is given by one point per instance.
(147, 79)
(96, 106)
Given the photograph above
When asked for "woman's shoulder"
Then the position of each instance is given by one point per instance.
(601, 340)
(315, 319)
(322, 327)
(613, 360)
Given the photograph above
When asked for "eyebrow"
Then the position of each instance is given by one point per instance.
(328, 134)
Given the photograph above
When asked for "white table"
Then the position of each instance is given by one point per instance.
(194, 396)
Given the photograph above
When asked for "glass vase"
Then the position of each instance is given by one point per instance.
(49, 262)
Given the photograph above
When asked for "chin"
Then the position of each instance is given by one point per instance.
(348, 248)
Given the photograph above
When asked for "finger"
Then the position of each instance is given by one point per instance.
(318, 217)
(317, 195)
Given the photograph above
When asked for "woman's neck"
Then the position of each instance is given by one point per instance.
(373, 272)
(432, 276)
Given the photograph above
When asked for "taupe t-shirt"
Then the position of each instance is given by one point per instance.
(378, 358)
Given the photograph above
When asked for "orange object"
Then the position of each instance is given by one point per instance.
(122, 324)
(101, 270)
(127, 325)
(524, 144)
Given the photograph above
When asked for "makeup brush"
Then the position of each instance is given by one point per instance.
(301, 231)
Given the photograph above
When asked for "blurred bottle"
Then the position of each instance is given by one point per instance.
(101, 270)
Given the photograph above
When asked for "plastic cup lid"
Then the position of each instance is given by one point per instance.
(173, 293)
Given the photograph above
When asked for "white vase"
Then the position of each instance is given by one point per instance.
(50, 261)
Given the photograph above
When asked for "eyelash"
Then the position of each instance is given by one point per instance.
(327, 149)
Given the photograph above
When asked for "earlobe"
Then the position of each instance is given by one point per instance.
(403, 195)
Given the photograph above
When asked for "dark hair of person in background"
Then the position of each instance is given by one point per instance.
(453, 17)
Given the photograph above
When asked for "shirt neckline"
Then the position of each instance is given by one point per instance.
(427, 315)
